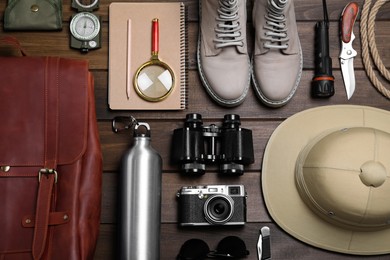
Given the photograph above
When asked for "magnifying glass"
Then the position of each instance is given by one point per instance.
(154, 80)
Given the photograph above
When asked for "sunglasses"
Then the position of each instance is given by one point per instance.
(230, 247)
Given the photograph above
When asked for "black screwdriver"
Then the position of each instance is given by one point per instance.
(322, 85)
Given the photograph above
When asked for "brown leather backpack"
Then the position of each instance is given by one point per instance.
(50, 159)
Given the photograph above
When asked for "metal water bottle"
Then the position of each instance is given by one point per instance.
(140, 199)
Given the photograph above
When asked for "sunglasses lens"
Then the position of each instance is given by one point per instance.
(232, 246)
(193, 249)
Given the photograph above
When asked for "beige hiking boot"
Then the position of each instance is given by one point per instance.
(223, 61)
(277, 54)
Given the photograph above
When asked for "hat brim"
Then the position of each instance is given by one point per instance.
(281, 196)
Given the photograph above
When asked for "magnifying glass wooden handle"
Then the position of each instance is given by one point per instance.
(155, 37)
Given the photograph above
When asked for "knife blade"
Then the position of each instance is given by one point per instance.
(347, 54)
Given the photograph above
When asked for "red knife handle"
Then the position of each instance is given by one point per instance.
(155, 36)
(348, 18)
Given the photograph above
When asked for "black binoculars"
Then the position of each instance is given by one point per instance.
(195, 145)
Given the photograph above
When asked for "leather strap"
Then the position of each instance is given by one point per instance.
(10, 46)
(42, 215)
(48, 175)
(55, 218)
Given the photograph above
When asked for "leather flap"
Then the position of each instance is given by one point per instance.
(23, 81)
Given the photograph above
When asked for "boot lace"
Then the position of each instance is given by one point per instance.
(228, 30)
(275, 36)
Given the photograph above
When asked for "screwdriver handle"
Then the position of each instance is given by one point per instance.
(323, 81)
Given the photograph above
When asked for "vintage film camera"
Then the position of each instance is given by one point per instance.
(195, 145)
(212, 205)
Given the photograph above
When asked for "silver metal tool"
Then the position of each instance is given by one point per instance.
(264, 244)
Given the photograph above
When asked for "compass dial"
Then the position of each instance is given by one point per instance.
(85, 26)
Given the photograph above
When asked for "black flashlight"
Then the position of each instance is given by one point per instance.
(322, 85)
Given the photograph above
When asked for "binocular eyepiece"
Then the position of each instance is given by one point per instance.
(195, 145)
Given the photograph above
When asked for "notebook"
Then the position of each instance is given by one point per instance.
(130, 46)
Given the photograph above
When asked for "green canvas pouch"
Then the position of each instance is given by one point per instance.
(33, 15)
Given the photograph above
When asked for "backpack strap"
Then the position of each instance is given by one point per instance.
(48, 174)
(10, 46)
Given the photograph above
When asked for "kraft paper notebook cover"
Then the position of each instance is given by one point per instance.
(130, 46)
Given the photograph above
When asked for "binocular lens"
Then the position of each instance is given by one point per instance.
(194, 168)
(232, 169)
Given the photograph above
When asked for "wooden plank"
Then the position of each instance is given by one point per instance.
(114, 145)
(304, 10)
(57, 44)
(283, 246)
(252, 108)
(172, 183)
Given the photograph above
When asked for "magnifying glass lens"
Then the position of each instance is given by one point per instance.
(154, 81)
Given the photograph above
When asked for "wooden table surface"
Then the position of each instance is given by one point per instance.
(255, 116)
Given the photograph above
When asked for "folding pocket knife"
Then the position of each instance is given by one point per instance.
(347, 54)
(264, 244)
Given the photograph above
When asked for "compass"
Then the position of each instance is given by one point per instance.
(85, 27)
(86, 6)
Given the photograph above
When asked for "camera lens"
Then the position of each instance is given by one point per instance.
(218, 209)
